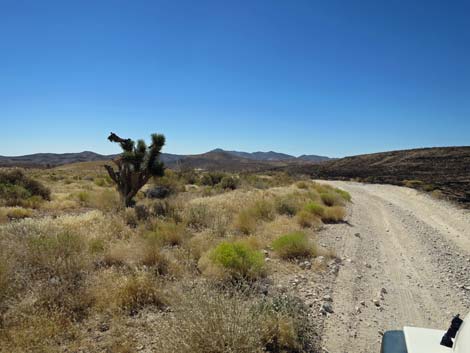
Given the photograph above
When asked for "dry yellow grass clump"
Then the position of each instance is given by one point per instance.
(77, 261)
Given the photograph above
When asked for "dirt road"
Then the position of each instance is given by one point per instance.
(406, 261)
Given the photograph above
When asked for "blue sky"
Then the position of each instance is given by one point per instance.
(319, 77)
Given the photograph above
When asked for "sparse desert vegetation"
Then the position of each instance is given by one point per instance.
(191, 257)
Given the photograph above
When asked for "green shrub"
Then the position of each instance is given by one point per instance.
(83, 197)
(228, 182)
(344, 194)
(16, 187)
(239, 260)
(315, 209)
(13, 213)
(331, 199)
(287, 205)
(293, 245)
(306, 219)
(212, 179)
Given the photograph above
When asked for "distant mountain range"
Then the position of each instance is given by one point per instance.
(273, 156)
(212, 159)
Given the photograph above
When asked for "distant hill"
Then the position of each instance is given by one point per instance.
(56, 159)
(274, 156)
(443, 168)
(218, 157)
(314, 158)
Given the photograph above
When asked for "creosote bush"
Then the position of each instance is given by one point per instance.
(294, 245)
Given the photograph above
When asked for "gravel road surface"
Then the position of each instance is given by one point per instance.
(405, 261)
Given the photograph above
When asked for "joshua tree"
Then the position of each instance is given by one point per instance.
(136, 165)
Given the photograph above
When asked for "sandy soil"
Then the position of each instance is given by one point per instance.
(405, 261)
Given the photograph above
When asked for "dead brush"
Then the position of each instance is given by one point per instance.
(129, 293)
(206, 320)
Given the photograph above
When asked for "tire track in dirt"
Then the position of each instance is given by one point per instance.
(409, 244)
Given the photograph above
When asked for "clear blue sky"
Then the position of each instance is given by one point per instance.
(319, 77)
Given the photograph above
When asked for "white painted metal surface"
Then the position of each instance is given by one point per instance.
(462, 339)
(423, 340)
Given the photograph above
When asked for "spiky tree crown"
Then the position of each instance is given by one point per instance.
(137, 164)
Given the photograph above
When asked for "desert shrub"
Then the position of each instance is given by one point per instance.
(238, 260)
(189, 176)
(429, 187)
(315, 209)
(334, 214)
(302, 185)
(6, 281)
(114, 292)
(83, 197)
(61, 264)
(306, 219)
(263, 210)
(12, 213)
(100, 182)
(149, 253)
(139, 291)
(16, 188)
(245, 221)
(218, 322)
(117, 254)
(294, 245)
(287, 326)
(235, 321)
(228, 182)
(198, 216)
(199, 243)
(166, 209)
(38, 331)
(130, 217)
(170, 233)
(413, 183)
(287, 205)
(61, 255)
(157, 192)
(331, 199)
(254, 181)
(96, 246)
(141, 212)
(344, 194)
(212, 178)
(170, 181)
(105, 200)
